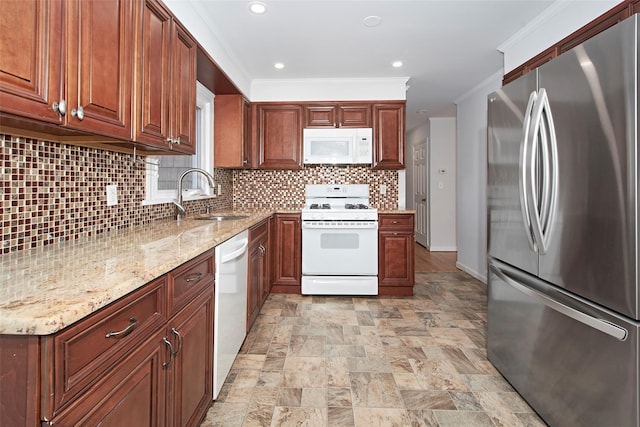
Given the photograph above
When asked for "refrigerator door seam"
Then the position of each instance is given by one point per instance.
(601, 325)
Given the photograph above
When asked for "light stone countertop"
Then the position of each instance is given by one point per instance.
(44, 290)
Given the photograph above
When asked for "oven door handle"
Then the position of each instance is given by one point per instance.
(314, 225)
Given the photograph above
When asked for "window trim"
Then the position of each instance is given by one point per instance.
(203, 158)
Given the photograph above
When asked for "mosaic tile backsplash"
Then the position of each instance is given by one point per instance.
(53, 192)
(256, 189)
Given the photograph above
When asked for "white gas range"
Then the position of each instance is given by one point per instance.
(339, 241)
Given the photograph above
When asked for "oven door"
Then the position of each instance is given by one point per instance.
(340, 248)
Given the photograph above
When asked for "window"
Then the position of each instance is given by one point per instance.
(163, 171)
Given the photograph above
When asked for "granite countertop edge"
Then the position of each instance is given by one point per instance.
(47, 289)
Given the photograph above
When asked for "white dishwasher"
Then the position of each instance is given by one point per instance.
(230, 306)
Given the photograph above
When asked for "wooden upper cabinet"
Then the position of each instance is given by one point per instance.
(30, 66)
(277, 135)
(388, 135)
(183, 81)
(99, 66)
(231, 131)
(165, 80)
(635, 6)
(153, 43)
(320, 115)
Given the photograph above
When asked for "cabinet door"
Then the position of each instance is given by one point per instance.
(153, 33)
(30, 46)
(278, 136)
(354, 115)
(183, 81)
(265, 285)
(254, 292)
(231, 131)
(395, 259)
(131, 395)
(388, 136)
(99, 66)
(191, 333)
(286, 254)
(321, 115)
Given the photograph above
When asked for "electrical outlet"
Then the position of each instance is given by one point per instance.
(383, 189)
(112, 195)
(219, 190)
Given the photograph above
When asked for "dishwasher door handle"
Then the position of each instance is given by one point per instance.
(225, 258)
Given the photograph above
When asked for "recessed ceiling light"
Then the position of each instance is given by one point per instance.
(372, 21)
(396, 64)
(257, 7)
(279, 65)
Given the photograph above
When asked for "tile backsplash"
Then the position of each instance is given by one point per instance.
(54, 192)
(256, 189)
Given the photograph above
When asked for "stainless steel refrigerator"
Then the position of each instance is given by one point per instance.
(563, 306)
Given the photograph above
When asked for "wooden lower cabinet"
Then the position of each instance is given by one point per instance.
(128, 364)
(286, 259)
(258, 275)
(190, 369)
(396, 264)
(133, 394)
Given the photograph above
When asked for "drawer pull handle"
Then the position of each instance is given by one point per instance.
(126, 331)
(171, 353)
(195, 278)
(176, 333)
(396, 222)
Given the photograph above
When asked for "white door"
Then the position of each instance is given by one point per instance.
(420, 188)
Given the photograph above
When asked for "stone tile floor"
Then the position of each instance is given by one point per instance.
(371, 361)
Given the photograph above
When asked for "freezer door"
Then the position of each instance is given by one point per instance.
(575, 364)
(507, 234)
(593, 92)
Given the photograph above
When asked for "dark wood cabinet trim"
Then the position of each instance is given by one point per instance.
(599, 24)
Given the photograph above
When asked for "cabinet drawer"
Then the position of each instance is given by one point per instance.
(85, 351)
(189, 279)
(395, 222)
(259, 231)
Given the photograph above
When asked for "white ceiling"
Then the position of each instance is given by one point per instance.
(447, 46)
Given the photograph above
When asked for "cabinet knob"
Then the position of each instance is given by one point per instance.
(79, 113)
(176, 141)
(60, 107)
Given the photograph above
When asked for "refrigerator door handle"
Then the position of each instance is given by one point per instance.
(542, 193)
(550, 173)
(525, 165)
(601, 325)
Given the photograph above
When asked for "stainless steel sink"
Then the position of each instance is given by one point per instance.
(221, 217)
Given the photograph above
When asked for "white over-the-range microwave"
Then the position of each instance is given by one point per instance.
(338, 146)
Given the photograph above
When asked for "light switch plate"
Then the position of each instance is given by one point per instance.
(112, 195)
(383, 189)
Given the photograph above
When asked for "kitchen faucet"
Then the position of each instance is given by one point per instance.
(180, 210)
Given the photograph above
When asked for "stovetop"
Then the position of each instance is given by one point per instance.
(338, 202)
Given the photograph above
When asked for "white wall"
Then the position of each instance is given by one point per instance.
(442, 184)
(472, 178)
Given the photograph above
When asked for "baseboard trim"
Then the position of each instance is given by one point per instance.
(472, 272)
(442, 248)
